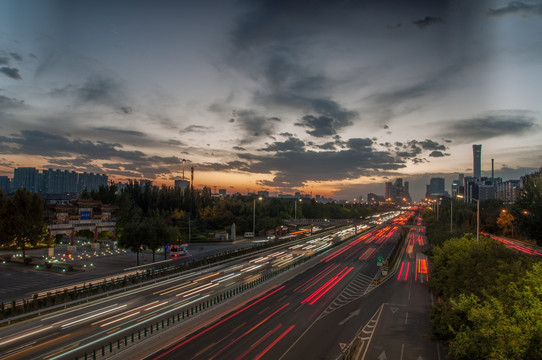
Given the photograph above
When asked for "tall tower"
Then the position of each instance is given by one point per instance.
(477, 161)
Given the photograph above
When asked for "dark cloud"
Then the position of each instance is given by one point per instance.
(196, 128)
(126, 109)
(255, 125)
(359, 144)
(321, 126)
(327, 146)
(238, 148)
(79, 153)
(431, 145)
(427, 21)
(120, 132)
(401, 100)
(16, 56)
(9, 103)
(279, 65)
(517, 7)
(99, 90)
(413, 148)
(491, 125)
(437, 153)
(293, 168)
(292, 144)
(4, 60)
(11, 72)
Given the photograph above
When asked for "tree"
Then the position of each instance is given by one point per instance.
(22, 220)
(527, 209)
(505, 222)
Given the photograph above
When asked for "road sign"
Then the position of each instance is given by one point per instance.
(379, 260)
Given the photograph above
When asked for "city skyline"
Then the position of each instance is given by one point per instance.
(325, 98)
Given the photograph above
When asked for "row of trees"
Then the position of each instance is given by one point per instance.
(22, 219)
(490, 297)
(150, 217)
(205, 214)
(490, 300)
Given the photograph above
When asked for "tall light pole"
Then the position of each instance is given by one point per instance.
(452, 211)
(254, 217)
(477, 219)
(295, 208)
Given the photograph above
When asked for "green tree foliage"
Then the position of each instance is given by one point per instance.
(22, 220)
(490, 300)
(527, 209)
(505, 222)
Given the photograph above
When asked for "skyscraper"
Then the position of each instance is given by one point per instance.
(477, 161)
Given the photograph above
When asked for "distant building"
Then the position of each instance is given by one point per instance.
(222, 192)
(435, 188)
(477, 161)
(26, 178)
(457, 186)
(508, 191)
(397, 192)
(5, 184)
(56, 181)
(182, 184)
(374, 199)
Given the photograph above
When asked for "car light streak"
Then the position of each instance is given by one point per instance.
(274, 342)
(92, 316)
(253, 267)
(225, 278)
(73, 310)
(120, 319)
(112, 331)
(330, 283)
(196, 290)
(331, 286)
(155, 306)
(249, 330)
(257, 343)
(175, 288)
(407, 271)
(32, 331)
(322, 247)
(218, 323)
(367, 254)
(401, 270)
(315, 276)
(61, 351)
(119, 331)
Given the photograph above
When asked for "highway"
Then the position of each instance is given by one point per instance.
(75, 331)
(275, 324)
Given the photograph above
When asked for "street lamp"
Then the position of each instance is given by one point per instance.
(295, 208)
(452, 211)
(477, 219)
(254, 217)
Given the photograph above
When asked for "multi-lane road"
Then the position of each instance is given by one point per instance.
(316, 313)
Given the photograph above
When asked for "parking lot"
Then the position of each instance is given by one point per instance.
(18, 281)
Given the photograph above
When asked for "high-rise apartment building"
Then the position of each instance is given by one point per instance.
(26, 178)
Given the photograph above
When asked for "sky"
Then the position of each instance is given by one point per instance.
(322, 97)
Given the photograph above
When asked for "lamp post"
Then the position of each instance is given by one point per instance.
(452, 210)
(295, 208)
(254, 217)
(477, 219)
